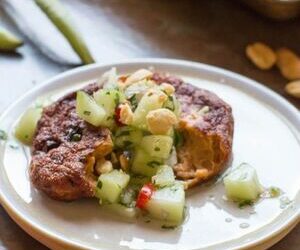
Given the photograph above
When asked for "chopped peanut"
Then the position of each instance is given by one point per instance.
(293, 88)
(124, 162)
(288, 63)
(160, 121)
(126, 114)
(103, 166)
(167, 88)
(137, 76)
(261, 55)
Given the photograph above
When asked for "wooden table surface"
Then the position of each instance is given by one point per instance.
(213, 32)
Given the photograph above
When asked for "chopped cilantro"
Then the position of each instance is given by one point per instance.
(153, 164)
(127, 144)
(178, 138)
(86, 112)
(156, 149)
(76, 137)
(99, 184)
(133, 102)
(117, 99)
(244, 203)
(168, 227)
(274, 192)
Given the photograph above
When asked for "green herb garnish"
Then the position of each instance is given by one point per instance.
(76, 137)
(178, 138)
(117, 99)
(274, 192)
(127, 144)
(99, 184)
(153, 164)
(156, 149)
(133, 102)
(86, 112)
(168, 227)
(244, 203)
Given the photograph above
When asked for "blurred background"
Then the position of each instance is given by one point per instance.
(214, 32)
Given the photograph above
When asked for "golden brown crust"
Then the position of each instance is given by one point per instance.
(208, 135)
(60, 166)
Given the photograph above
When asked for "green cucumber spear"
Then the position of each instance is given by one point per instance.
(8, 41)
(61, 18)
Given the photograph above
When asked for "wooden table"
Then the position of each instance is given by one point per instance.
(212, 32)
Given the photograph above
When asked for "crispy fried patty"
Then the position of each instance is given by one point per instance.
(208, 136)
(65, 147)
(64, 151)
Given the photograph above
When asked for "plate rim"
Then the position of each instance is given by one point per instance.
(42, 234)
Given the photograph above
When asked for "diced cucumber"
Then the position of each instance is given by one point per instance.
(164, 176)
(109, 99)
(242, 183)
(26, 127)
(152, 100)
(144, 164)
(167, 204)
(110, 186)
(173, 104)
(127, 137)
(138, 89)
(109, 80)
(120, 210)
(89, 110)
(157, 145)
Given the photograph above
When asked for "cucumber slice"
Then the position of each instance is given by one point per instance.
(144, 164)
(61, 18)
(111, 185)
(243, 184)
(157, 145)
(122, 211)
(127, 137)
(26, 127)
(89, 110)
(167, 204)
(8, 41)
(153, 99)
(173, 104)
(164, 177)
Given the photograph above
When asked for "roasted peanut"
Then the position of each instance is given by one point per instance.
(126, 114)
(288, 63)
(137, 76)
(160, 121)
(103, 166)
(261, 55)
(167, 88)
(293, 88)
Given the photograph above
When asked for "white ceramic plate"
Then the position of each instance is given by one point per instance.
(266, 135)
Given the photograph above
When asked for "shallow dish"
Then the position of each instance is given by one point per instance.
(267, 135)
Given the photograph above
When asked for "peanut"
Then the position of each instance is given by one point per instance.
(261, 55)
(293, 88)
(167, 88)
(137, 76)
(126, 114)
(160, 121)
(103, 166)
(288, 63)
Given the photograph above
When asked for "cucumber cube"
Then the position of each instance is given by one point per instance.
(167, 204)
(164, 176)
(88, 110)
(243, 184)
(144, 164)
(127, 137)
(151, 100)
(110, 186)
(26, 127)
(157, 145)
